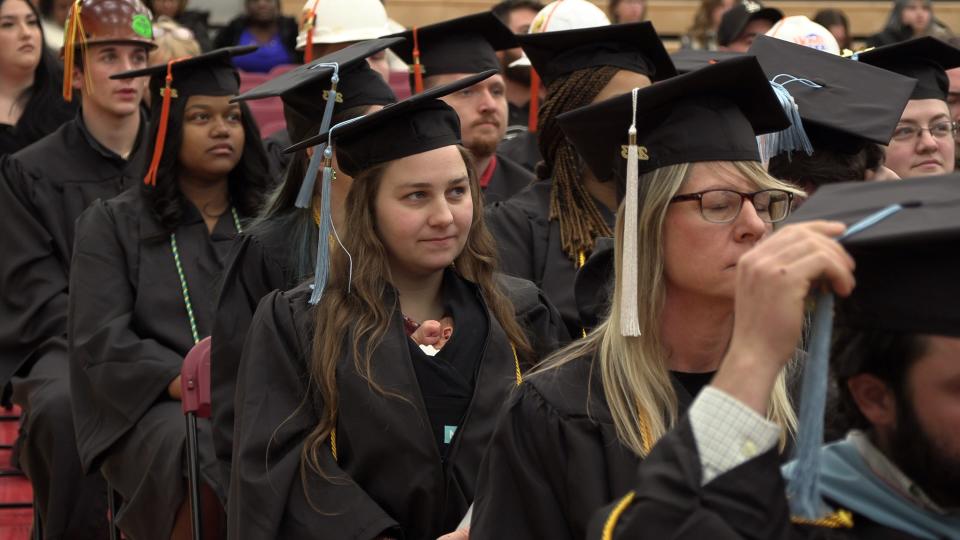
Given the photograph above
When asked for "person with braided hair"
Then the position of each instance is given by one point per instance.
(546, 232)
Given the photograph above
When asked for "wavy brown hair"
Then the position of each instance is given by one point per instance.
(355, 308)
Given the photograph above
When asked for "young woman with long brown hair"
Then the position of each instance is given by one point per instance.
(359, 428)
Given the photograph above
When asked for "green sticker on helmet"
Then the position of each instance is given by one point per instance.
(142, 26)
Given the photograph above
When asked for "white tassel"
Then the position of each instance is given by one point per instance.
(629, 315)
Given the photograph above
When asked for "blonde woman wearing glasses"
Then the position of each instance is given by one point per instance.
(572, 436)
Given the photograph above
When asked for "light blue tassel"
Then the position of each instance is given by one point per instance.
(794, 137)
(803, 490)
(322, 270)
(305, 196)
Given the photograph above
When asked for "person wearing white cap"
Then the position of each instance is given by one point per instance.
(556, 16)
(327, 26)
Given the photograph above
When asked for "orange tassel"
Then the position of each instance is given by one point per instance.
(534, 117)
(417, 69)
(69, 52)
(151, 178)
(308, 28)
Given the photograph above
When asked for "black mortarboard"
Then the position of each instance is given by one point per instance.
(633, 47)
(687, 60)
(907, 263)
(924, 59)
(304, 90)
(712, 114)
(208, 74)
(462, 45)
(852, 99)
(417, 124)
(903, 237)
(736, 19)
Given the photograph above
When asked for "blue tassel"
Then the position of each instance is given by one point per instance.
(305, 196)
(803, 490)
(794, 137)
(322, 270)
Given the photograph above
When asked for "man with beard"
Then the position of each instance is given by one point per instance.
(451, 50)
(517, 15)
(896, 341)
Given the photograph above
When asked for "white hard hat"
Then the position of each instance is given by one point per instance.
(564, 15)
(802, 31)
(340, 21)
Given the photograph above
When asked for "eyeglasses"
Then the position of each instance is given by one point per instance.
(723, 205)
(940, 130)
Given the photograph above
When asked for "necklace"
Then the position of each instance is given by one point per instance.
(184, 289)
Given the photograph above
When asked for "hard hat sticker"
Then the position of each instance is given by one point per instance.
(142, 26)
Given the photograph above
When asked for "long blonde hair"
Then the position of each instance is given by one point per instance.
(633, 370)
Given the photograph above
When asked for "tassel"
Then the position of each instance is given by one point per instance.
(794, 137)
(629, 317)
(74, 34)
(322, 269)
(417, 68)
(534, 117)
(308, 23)
(151, 178)
(305, 195)
(803, 490)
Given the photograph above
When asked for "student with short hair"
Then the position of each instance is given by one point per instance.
(43, 190)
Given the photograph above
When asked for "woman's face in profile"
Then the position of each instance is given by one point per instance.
(700, 257)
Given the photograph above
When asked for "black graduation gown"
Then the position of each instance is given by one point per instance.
(523, 149)
(389, 472)
(745, 503)
(256, 266)
(554, 459)
(261, 262)
(43, 190)
(508, 179)
(529, 247)
(129, 332)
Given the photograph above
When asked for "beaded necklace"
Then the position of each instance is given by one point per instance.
(184, 289)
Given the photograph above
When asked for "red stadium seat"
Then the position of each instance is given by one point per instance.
(400, 84)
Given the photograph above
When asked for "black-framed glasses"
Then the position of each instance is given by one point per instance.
(723, 205)
(940, 130)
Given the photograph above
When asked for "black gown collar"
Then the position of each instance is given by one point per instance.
(103, 150)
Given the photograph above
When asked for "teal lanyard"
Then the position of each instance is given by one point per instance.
(183, 277)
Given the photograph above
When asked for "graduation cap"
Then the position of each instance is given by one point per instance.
(208, 74)
(712, 114)
(306, 91)
(687, 60)
(903, 237)
(462, 45)
(827, 92)
(633, 47)
(736, 19)
(415, 125)
(925, 59)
